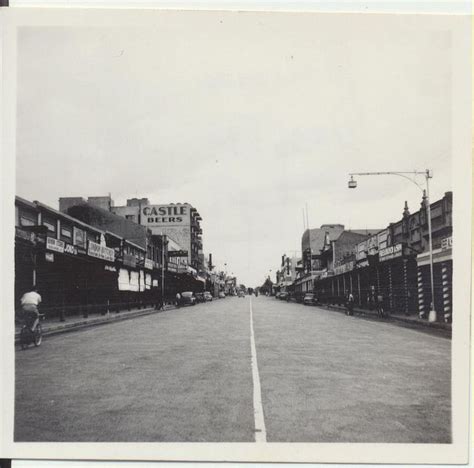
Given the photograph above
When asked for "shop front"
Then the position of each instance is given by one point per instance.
(443, 281)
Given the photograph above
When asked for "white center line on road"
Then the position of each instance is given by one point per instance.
(260, 431)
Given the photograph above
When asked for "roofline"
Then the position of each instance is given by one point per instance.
(38, 204)
(26, 202)
(133, 243)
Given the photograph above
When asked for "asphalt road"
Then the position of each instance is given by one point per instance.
(186, 376)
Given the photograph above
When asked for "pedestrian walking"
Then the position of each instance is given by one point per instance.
(178, 299)
(350, 304)
(380, 309)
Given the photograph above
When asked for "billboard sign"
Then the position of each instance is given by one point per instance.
(166, 215)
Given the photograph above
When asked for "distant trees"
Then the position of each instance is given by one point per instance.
(266, 287)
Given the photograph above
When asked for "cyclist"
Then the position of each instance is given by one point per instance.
(29, 305)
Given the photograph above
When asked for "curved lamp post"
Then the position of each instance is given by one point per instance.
(428, 174)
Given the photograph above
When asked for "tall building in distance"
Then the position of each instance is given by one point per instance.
(181, 222)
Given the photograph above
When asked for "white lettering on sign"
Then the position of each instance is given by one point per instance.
(70, 249)
(100, 251)
(393, 251)
(148, 264)
(55, 244)
(447, 243)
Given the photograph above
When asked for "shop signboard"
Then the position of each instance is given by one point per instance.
(100, 251)
(55, 244)
(389, 253)
(110, 268)
(173, 267)
(177, 253)
(26, 235)
(148, 264)
(447, 243)
(344, 268)
(70, 249)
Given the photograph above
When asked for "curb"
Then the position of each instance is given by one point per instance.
(397, 318)
(67, 328)
(393, 318)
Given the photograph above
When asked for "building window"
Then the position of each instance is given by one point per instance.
(66, 233)
(93, 237)
(26, 221)
(51, 225)
(130, 217)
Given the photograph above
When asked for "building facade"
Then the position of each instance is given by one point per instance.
(394, 264)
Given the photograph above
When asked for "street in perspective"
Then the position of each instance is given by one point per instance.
(236, 239)
(185, 375)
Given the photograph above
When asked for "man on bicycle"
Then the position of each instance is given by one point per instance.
(29, 305)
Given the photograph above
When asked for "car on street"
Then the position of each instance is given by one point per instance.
(283, 296)
(200, 297)
(241, 294)
(187, 298)
(207, 296)
(221, 295)
(277, 295)
(310, 299)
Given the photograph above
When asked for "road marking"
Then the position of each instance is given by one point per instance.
(260, 431)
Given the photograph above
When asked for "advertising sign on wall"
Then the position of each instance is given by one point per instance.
(100, 251)
(55, 244)
(344, 268)
(391, 252)
(447, 243)
(177, 253)
(70, 249)
(173, 220)
(166, 215)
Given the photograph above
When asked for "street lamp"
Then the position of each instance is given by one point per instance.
(428, 174)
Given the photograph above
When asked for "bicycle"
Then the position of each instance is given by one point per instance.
(27, 336)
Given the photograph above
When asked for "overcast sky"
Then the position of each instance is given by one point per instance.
(247, 116)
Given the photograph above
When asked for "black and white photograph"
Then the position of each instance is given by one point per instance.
(237, 230)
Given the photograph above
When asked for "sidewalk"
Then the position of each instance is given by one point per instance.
(52, 326)
(412, 319)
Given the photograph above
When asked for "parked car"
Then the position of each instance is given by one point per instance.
(277, 295)
(241, 293)
(310, 299)
(221, 295)
(283, 296)
(200, 297)
(187, 298)
(207, 296)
